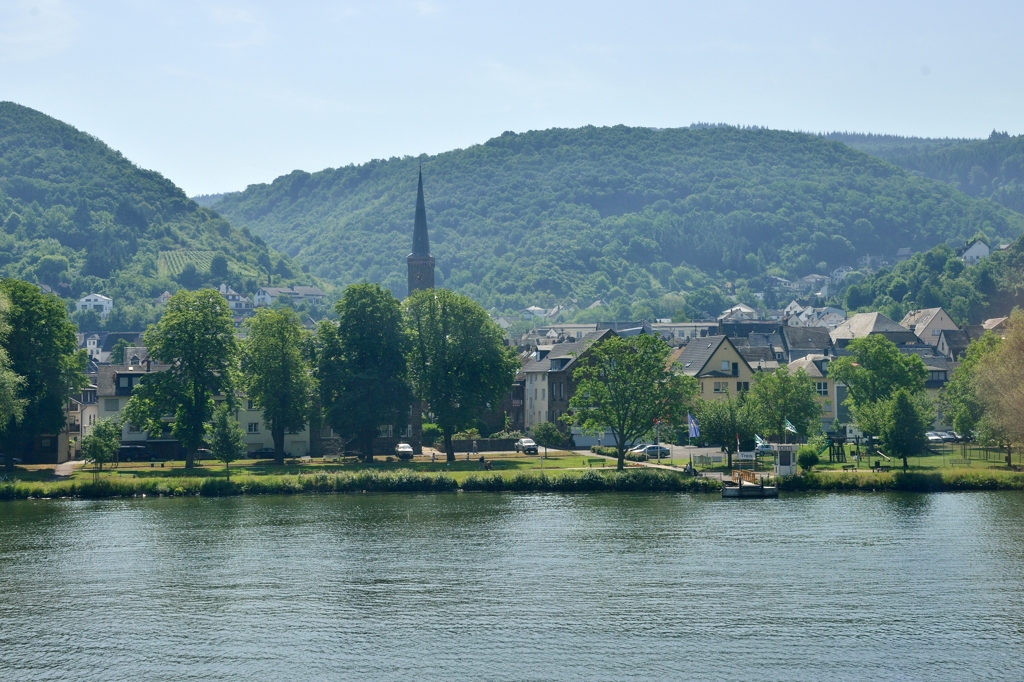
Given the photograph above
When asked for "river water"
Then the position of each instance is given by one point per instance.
(514, 587)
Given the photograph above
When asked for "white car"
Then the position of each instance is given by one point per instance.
(526, 446)
(404, 451)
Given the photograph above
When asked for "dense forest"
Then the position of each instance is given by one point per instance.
(81, 218)
(651, 222)
(992, 168)
(939, 278)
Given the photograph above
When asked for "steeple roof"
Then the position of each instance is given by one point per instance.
(420, 241)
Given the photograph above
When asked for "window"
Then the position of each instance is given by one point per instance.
(937, 376)
(132, 428)
(543, 394)
(822, 387)
(124, 382)
(250, 405)
(742, 386)
(720, 387)
(254, 427)
(110, 404)
(935, 332)
(725, 365)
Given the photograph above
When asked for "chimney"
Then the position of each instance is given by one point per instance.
(148, 362)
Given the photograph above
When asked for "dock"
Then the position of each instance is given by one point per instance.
(747, 484)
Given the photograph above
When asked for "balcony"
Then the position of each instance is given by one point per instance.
(74, 428)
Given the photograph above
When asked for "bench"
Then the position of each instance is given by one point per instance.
(959, 462)
(881, 469)
(849, 467)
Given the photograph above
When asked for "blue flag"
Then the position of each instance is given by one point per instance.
(694, 426)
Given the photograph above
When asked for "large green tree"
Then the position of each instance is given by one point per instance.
(781, 396)
(196, 339)
(12, 405)
(873, 371)
(458, 361)
(623, 385)
(43, 352)
(903, 430)
(959, 398)
(999, 383)
(361, 365)
(274, 373)
(724, 420)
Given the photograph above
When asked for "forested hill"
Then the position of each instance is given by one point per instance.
(992, 168)
(80, 217)
(627, 215)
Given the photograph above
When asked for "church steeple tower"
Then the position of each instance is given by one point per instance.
(420, 263)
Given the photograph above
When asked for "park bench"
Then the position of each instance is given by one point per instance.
(959, 462)
(849, 467)
(881, 469)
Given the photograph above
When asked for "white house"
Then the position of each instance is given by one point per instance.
(738, 312)
(840, 273)
(240, 305)
(98, 303)
(974, 252)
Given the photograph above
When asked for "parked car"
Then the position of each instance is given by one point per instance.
(3, 460)
(947, 437)
(403, 451)
(934, 437)
(642, 447)
(656, 451)
(261, 453)
(763, 449)
(526, 446)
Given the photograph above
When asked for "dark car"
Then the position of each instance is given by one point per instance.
(261, 453)
(527, 446)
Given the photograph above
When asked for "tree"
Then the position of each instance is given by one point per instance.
(872, 373)
(623, 385)
(103, 441)
(903, 431)
(219, 266)
(361, 365)
(999, 382)
(117, 352)
(43, 352)
(724, 421)
(196, 339)
(959, 398)
(458, 361)
(548, 435)
(226, 440)
(274, 374)
(12, 405)
(807, 458)
(781, 396)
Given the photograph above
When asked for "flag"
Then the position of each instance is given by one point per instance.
(790, 427)
(759, 440)
(694, 426)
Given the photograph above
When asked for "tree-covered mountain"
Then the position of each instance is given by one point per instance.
(991, 288)
(644, 219)
(890, 147)
(992, 168)
(81, 218)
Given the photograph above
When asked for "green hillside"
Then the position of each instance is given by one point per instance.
(633, 216)
(938, 278)
(80, 217)
(992, 168)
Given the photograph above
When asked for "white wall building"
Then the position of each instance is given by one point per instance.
(98, 303)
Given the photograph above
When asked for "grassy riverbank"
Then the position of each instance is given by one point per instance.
(635, 480)
(944, 480)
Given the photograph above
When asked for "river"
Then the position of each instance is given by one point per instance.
(514, 587)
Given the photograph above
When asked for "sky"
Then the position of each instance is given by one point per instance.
(220, 95)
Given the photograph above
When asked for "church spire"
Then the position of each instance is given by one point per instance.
(420, 263)
(420, 241)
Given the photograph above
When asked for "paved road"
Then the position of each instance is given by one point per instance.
(67, 468)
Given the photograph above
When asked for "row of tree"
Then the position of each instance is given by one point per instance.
(358, 373)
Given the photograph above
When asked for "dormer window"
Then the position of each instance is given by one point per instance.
(134, 360)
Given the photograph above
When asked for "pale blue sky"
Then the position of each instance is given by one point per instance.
(217, 95)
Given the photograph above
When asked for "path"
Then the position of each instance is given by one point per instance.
(67, 468)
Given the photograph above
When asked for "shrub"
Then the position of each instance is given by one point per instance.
(807, 458)
(431, 432)
(605, 450)
(636, 456)
(467, 434)
(548, 434)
